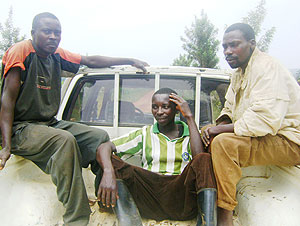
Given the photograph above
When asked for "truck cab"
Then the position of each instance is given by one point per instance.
(119, 99)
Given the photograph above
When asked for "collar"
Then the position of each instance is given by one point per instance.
(185, 128)
(254, 55)
(240, 79)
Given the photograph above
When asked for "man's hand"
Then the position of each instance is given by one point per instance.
(211, 131)
(195, 139)
(108, 190)
(207, 135)
(4, 156)
(104, 61)
(181, 105)
(139, 64)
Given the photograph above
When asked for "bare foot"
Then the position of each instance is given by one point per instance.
(225, 217)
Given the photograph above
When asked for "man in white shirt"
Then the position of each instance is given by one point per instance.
(260, 122)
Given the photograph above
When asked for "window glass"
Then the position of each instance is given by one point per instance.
(93, 98)
(212, 99)
(184, 86)
(135, 100)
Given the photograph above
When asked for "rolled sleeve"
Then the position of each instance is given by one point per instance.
(262, 118)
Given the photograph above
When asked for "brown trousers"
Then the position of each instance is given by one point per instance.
(162, 197)
(231, 152)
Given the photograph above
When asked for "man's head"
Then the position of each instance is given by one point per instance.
(163, 109)
(46, 33)
(238, 45)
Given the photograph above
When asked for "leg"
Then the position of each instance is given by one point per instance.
(56, 153)
(152, 192)
(207, 207)
(225, 217)
(89, 140)
(206, 189)
(126, 210)
(231, 152)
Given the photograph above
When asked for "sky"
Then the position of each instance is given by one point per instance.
(151, 30)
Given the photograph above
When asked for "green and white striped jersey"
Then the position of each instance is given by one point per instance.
(158, 153)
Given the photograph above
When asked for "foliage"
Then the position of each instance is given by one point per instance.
(183, 60)
(298, 73)
(9, 34)
(200, 44)
(298, 76)
(255, 19)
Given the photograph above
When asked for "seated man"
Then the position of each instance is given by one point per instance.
(30, 98)
(260, 123)
(175, 172)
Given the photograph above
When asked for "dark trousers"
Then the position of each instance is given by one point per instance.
(162, 197)
(61, 150)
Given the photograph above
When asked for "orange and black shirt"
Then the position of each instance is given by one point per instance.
(39, 95)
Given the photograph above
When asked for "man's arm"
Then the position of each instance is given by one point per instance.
(224, 119)
(108, 191)
(210, 132)
(195, 139)
(8, 100)
(104, 61)
(224, 122)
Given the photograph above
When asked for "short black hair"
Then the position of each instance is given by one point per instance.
(246, 29)
(165, 91)
(39, 16)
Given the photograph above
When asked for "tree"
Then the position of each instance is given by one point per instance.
(9, 34)
(183, 60)
(255, 19)
(298, 76)
(200, 44)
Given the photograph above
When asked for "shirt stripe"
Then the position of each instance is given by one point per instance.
(159, 153)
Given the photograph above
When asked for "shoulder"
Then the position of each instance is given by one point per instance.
(19, 50)
(16, 55)
(264, 64)
(68, 56)
(24, 45)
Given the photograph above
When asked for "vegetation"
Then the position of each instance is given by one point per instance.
(200, 44)
(9, 34)
(255, 19)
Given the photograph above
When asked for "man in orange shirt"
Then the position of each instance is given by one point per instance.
(31, 73)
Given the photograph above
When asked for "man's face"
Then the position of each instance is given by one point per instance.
(237, 49)
(163, 109)
(46, 36)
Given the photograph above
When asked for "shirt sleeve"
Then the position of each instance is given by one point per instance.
(262, 118)
(69, 61)
(16, 55)
(129, 144)
(269, 101)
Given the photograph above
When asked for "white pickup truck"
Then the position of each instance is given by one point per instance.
(118, 100)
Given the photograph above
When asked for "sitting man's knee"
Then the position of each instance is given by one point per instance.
(221, 143)
(66, 136)
(222, 138)
(202, 156)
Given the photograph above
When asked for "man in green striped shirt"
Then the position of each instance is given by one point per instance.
(175, 170)
(158, 152)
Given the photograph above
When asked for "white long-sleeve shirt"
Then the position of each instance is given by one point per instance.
(264, 100)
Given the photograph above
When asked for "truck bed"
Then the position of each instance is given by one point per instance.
(28, 198)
